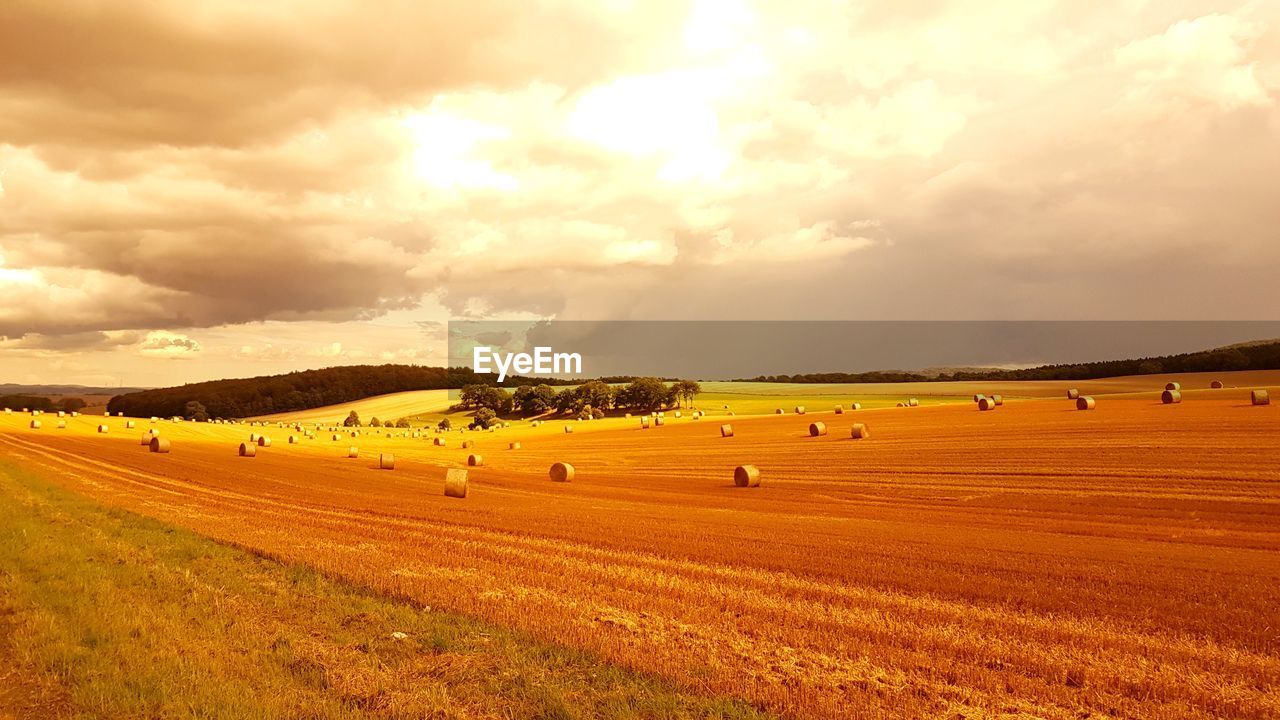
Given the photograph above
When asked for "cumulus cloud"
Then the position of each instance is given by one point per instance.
(212, 172)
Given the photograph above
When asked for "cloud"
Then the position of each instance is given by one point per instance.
(169, 345)
(210, 173)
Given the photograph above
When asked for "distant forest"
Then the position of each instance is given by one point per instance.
(37, 402)
(303, 390)
(1260, 356)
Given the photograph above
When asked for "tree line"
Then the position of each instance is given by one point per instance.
(1261, 356)
(247, 397)
(43, 404)
(588, 400)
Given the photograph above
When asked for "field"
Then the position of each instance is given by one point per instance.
(1034, 561)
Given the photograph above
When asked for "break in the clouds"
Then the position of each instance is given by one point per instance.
(175, 179)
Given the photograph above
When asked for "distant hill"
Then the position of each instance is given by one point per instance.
(250, 397)
(1262, 355)
(73, 390)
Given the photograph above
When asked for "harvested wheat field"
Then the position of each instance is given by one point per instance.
(1030, 562)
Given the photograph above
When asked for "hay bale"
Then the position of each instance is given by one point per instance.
(817, 429)
(986, 403)
(62, 424)
(1173, 386)
(455, 483)
(568, 428)
(293, 439)
(644, 422)
(253, 437)
(467, 443)
(475, 460)
(627, 415)
(779, 411)
(154, 431)
(119, 414)
(913, 403)
(440, 442)
(1073, 394)
(1084, 402)
(1171, 397)
(998, 400)
(62, 413)
(677, 414)
(799, 409)
(1260, 397)
(978, 397)
(335, 437)
(1216, 384)
(513, 446)
(659, 421)
(159, 444)
(561, 472)
(103, 429)
(746, 476)
(353, 452)
(726, 430)
(264, 441)
(386, 461)
(839, 409)
(859, 431)
(129, 425)
(900, 405)
(146, 440)
(35, 424)
(855, 406)
(248, 450)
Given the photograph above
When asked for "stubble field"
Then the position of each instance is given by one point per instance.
(1033, 561)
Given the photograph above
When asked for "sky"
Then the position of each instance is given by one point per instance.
(192, 191)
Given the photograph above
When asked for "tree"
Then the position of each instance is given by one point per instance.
(644, 394)
(483, 418)
(353, 420)
(402, 423)
(485, 396)
(195, 411)
(444, 424)
(375, 422)
(687, 391)
(593, 394)
(71, 404)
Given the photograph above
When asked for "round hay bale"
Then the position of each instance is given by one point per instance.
(817, 429)
(475, 460)
(154, 431)
(1084, 402)
(35, 424)
(1216, 384)
(513, 446)
(103, 429)
(146, 440)
(264, 441)
(159, 444)
(1173, 386)
(644, 422)
(799, 409)
(746, 476)
(455, 483)
(730, 413)
(253, 437)
(659, 420)
(129, 425)
(335, 437)
(859, 431)
(627, 415)
(726, 430)
(353, 452)
(568, 428)
(440, 442)
(998, 400)
(978, 397)
(248, 450)
(561, 472)
(779, 411)
(839, 409)
(1073, 394)
(467, 443)
(62, 413)
(119, 414)
(677, 414)
(62, 424)
(986, 404)
(913, 402)
(900, 405)
(1171, 397)
(855, 406)
(293, 439)
(1260, 397)
(386, 461)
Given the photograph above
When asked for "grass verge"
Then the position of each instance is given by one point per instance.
(104, 613)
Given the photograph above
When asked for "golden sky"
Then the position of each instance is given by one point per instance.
(200, 190)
